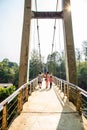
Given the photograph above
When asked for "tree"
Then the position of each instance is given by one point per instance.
(5, 92)
(8, 72)
(56, 64)
(82, 76)
(85, 49)
(82, 66)
(78, 56)
(35, 65)
(52, 61)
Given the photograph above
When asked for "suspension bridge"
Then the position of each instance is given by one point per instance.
(62, 107)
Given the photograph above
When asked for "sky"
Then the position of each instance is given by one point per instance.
(11, 23)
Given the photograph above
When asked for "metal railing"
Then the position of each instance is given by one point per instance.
(12, 106)
(74, 94)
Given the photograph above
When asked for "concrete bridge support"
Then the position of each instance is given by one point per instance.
(69, 43)
(24, 56)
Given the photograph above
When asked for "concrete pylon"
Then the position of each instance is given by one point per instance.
(23, 68)
(69, 43)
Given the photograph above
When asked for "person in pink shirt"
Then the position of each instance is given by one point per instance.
(47, 79)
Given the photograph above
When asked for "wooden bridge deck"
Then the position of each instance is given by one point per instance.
(45, 111)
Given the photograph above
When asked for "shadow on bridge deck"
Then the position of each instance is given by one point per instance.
(45, 111)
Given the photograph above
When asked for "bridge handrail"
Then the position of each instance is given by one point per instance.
(74, 86)
(84, 94)
(74, 93)
(17, 99)
(8, 99)
(11, 96)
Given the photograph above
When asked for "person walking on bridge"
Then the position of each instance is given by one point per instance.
(40, 80)
(47, 79)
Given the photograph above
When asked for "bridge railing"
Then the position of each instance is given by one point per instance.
(74, 94)
(12, 106)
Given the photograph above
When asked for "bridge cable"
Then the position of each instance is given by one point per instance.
(54, 36)
(60, 48)
(54, 29)
(38, 33)
(34, 36)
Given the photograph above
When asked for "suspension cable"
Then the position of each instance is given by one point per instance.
(38, 32)
(34, 35)
(54, 29)
(60, 50)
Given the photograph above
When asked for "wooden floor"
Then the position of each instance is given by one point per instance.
(46, 111)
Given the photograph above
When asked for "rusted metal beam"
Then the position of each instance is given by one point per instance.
(47, 15)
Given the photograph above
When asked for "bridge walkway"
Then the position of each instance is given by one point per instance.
(46, 111)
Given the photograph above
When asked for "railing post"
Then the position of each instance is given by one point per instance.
(61, 85)
(69, 93)
(58, 83)
(36, 82)
(55, 81)
(79, 102)
(30, 89)
(33, 86)
(4, 117)
(26, 92)
(65, 89)
(20, 102)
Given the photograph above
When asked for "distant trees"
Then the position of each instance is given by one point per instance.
(78, 56)
(56, 64)
(35, 65)
(85, 49)
(5, 92)
(81, 60)
(8, 72)
(82, 75)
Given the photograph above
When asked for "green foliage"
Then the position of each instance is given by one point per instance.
(85, 49)
(82, 75)
(35, 65)
(82, 66)
(56, 64)
(5, 92)
(8, 72)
